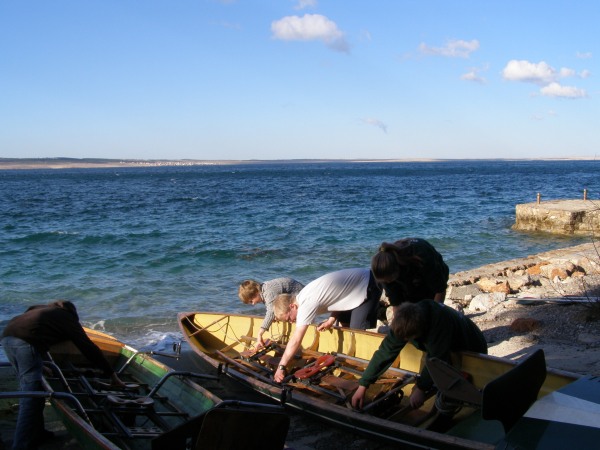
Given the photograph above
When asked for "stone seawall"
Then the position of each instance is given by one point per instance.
(570, 217)
(572, 271)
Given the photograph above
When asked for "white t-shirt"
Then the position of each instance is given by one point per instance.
(343, 290)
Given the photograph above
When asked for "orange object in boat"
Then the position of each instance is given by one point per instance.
(321, 362)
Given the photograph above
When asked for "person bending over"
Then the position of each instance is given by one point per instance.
(430, 326)
(350, 295)
(252, 292)
(26, 339)
(410, 270)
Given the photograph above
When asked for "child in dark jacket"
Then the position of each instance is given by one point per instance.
(432, 327)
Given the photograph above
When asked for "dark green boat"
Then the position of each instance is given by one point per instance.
(160, 408)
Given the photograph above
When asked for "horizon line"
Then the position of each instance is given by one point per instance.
(61, 162)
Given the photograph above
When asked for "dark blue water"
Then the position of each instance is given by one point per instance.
(134, 246)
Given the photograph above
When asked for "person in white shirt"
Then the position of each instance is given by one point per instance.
(350, 295)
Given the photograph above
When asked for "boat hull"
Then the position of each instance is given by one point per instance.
(223, 340)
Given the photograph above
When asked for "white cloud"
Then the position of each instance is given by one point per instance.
(303, 4)
(546, 76)
(556, 90)
(585, 73)
(565, 73)
(376, 123)
(474, 75)
(538, 73)
(452, 49)
(584, 55)
(310, 27)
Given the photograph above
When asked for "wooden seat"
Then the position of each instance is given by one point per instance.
(504, 400)
(243, 429)
(230, 425)
(509, 396)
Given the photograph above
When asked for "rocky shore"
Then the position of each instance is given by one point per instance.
(550, 300)
(567, 272)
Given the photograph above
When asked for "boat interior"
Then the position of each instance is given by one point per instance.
(158, 408)
(329, 365)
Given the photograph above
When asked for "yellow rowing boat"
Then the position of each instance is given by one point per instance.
(325, 374)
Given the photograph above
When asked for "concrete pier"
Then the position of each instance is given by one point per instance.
(569, 217)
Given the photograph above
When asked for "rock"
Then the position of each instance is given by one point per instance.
(537, 269)
(490, 285)
(517, 283)
(485, 302)
(463, 292)
(553, 271)
(524, 325)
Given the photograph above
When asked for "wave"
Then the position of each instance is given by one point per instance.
(46, 236)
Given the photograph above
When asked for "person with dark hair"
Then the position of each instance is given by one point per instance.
(26, 339)
(432, 327)
(252, 292)
(410, 270)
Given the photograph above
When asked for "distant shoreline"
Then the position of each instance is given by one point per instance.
(96, 163)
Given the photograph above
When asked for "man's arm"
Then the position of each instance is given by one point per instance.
(290, 350)
(382, 359)
(91, 351)
(327, 324)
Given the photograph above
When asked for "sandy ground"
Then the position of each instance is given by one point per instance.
(569, 333)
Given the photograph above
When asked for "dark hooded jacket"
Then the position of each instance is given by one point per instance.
(45, 325)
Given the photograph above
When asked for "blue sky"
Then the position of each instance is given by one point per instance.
(288, 79)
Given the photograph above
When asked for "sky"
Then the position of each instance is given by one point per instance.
(296, 79)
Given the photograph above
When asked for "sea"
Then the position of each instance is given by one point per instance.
(132, 247)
